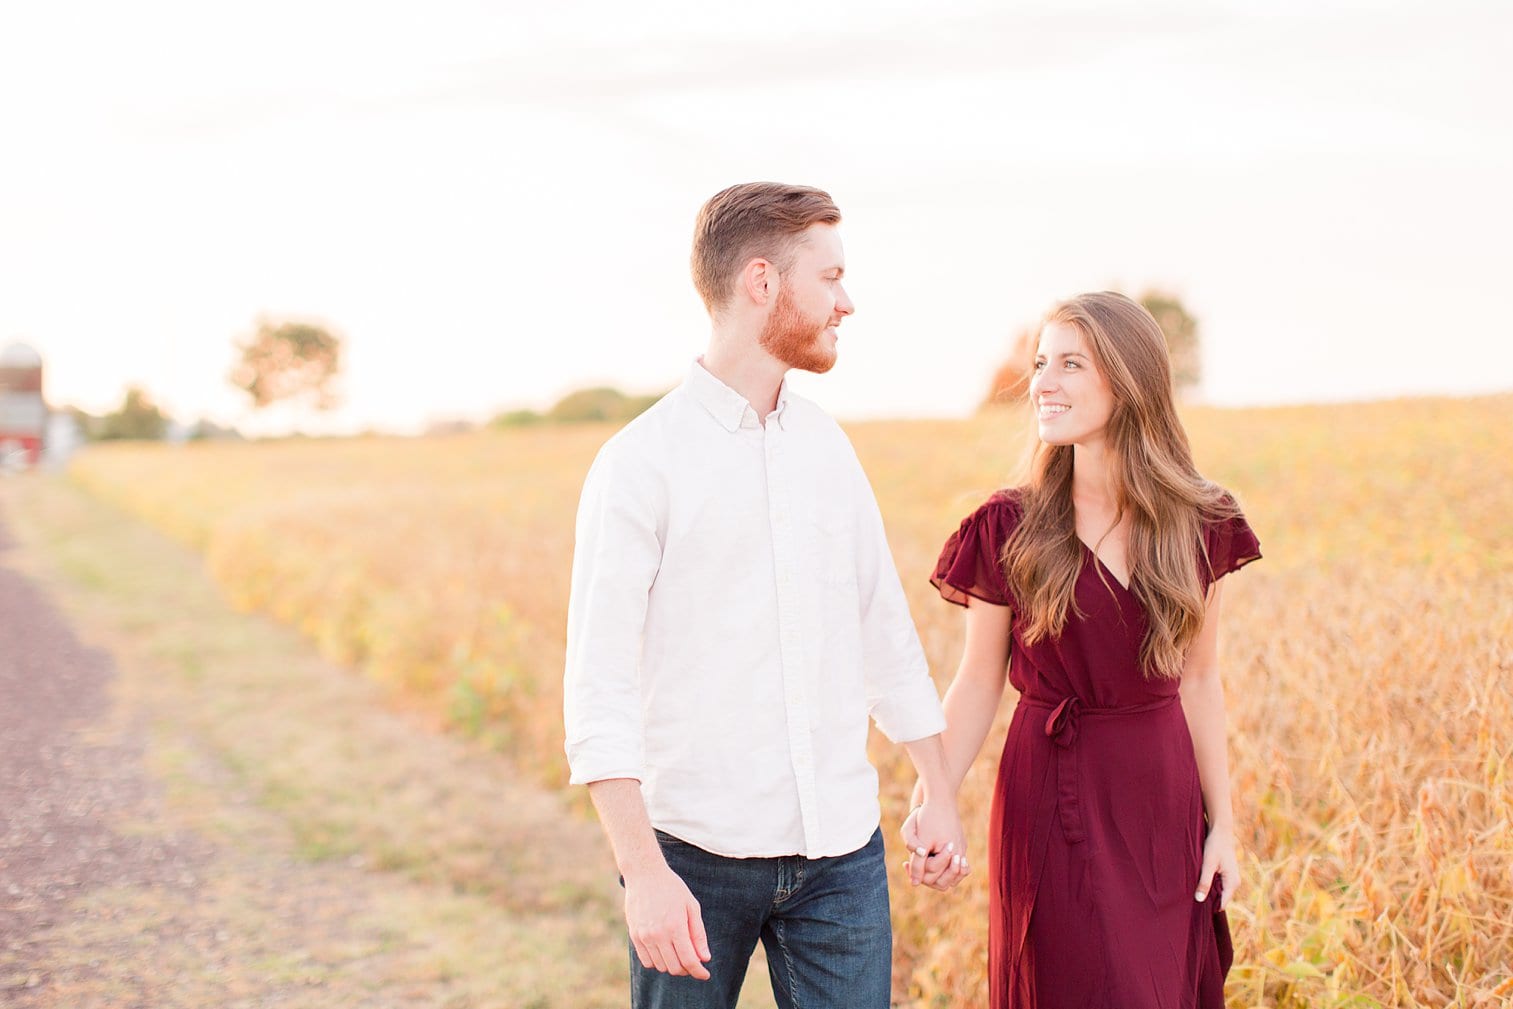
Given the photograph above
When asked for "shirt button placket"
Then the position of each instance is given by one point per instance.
(790, 643)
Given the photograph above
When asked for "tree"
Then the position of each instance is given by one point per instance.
(1181, 331)
(137, 418)
(518, 418)
(583, 406)
(1011, 382)
(209, 430)
(289, 362)
(600, 404)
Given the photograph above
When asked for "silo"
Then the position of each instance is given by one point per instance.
(23, 413)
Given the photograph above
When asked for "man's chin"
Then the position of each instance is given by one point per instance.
(816, 359)
(818, 365)
(815, 354)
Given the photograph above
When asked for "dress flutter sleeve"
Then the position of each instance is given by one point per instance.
(970, 563)
(1231, 544)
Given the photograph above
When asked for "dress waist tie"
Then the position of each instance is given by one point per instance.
(1061, 726)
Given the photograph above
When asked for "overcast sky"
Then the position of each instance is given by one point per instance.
(493, 201)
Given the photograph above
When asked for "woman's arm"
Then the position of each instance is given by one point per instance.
(1203, 704)
(973, 697)
(970, 704)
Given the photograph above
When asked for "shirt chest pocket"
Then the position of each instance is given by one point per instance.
(837, 611)
(832, 546)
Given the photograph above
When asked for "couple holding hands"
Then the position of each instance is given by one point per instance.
(736, 617)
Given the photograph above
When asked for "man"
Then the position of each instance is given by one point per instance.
(735, 617)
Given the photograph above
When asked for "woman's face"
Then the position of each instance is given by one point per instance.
(1072, 400)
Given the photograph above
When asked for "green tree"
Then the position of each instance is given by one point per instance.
(295, 362)
(1182, 341)
(599, 404)
(209, 430)
(137, 418)
(518, 418)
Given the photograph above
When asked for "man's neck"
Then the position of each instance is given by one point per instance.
(748, 369)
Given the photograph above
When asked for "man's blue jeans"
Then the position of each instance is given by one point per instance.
(823, 921)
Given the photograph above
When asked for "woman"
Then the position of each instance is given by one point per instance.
(1111, 845)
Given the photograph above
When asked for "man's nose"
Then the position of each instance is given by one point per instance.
(843, 303)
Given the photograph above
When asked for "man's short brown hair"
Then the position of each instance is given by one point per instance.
(751, 220)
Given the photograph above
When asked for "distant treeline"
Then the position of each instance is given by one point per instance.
(138, 418)
(585, 406)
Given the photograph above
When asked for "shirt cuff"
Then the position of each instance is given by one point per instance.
(910, 713)
(591, 776)
(587, 766)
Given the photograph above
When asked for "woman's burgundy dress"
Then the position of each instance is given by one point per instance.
(1097, 827)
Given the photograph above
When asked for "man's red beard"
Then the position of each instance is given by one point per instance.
(794, 340)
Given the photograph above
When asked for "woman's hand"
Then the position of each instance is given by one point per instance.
(937, 846)
(1219, 858)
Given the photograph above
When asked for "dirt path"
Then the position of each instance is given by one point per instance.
(195, 811)
(60, 792)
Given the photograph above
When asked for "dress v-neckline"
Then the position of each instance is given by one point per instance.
(1099, 561)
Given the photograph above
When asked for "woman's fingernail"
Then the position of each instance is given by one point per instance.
(1200, 895)
(921, 852)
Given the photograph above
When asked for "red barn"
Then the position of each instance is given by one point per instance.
(23, 413)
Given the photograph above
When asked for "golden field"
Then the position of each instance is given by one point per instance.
(1368, 657)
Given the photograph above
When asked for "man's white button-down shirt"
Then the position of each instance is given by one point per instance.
(735, 618)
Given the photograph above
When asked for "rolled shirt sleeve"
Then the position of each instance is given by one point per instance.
(901, 696)
(615, 560)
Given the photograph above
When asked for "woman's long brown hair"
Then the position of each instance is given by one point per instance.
(1155, 482)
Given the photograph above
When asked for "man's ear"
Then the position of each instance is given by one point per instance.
(759, 281)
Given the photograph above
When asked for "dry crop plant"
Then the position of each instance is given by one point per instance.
(1367, 661)
(1367, 658)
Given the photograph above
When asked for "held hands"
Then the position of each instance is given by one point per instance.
(665, 925)
(937, 847)
(1219, 857)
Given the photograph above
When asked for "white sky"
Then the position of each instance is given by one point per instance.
(493, 201)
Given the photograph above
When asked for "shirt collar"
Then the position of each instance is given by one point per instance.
(725, 404)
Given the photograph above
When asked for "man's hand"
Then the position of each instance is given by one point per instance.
(937, 847)
(666, 927)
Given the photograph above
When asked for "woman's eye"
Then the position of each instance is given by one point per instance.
(1072, 364)
(1040, 366)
